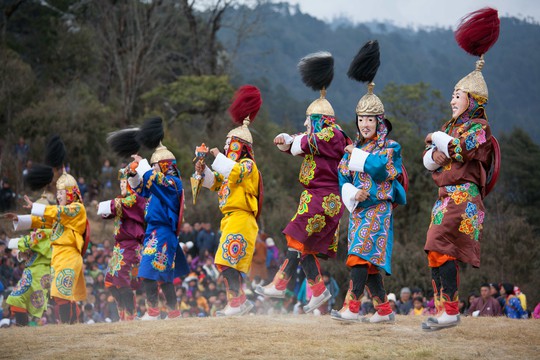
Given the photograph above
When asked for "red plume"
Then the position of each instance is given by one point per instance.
(478, 31)
(246, 102)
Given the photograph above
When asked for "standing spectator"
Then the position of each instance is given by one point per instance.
(206, 240)
(404, 304)
(108, 175)
(82, 187)
(512, 308)
(258, 264)
(485, 305)
(21, 152)
(7, 197)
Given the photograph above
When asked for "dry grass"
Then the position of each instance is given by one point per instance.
(279, 337)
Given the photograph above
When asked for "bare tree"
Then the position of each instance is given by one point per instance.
(129, 32)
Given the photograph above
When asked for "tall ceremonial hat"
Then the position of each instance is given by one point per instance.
(41, 175)
(127, 142)
(317, 72)
(363, 68)
(476, 34)
(244, 109)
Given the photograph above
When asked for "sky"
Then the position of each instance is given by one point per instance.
(414, 13)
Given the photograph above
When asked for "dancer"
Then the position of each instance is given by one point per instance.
(460, 157)
(161, 258)
(239, 185)
(368, 176)
(31, 294)
(313, 230)
(127, 210)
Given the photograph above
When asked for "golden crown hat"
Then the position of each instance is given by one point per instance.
(66, 182)
(161, 153)
(476, 34)
(320, 106)
(242, 131)
(370, 104)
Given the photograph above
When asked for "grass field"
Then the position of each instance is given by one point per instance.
(276, 337)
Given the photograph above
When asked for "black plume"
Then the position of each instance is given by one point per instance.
(55, 152)
(366, 63)
(124, 142)
(39, 176)
(151, 133)
(317, 70)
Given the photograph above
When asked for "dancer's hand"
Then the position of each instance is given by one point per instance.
(199, 167)
(428, 139)
(279, 140)
(361, 195)
(439, 158)
(349, 148)
(214, 151)
(11, 216)
(28, 202)
(137, 158)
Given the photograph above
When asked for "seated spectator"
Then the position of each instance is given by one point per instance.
(521, 296)
(512, 308)
(536, 312)
(90, 316)
(392, 301)
(485, 305)
(404, 304)
(418, 306)
(462, 306)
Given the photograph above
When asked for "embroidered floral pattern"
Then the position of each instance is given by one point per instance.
(246, 167)
(45, 281)
(223, 194)
(343, 166)
(439, 209)
(117, 260)
(72, 210)
(151, 244)
(326, 134)
(234, 248)
(305, 199)
(58, 230)
(472, 221)
(307, 171)
(315, 224)
(331, 205)
(161, 259)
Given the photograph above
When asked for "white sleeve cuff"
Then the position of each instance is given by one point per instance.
(209, 178)
(428, 160)
(288, 141)
(143, 167)
(441, 141)
(13, 243)
(223, 165)
(296, 147)
(358, 160)
(104, 208)
(38, 209)
(348, 193)
(134, 181)
(23, 222)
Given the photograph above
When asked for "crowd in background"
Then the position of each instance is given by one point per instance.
(201, 293)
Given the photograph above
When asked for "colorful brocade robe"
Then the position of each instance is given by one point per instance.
(160, 259)
(316, 222)
(129, 229)
(237, 184)
(371, 230)
(32, 290)
(458, 214)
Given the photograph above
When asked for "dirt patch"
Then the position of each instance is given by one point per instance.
(275, 337)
